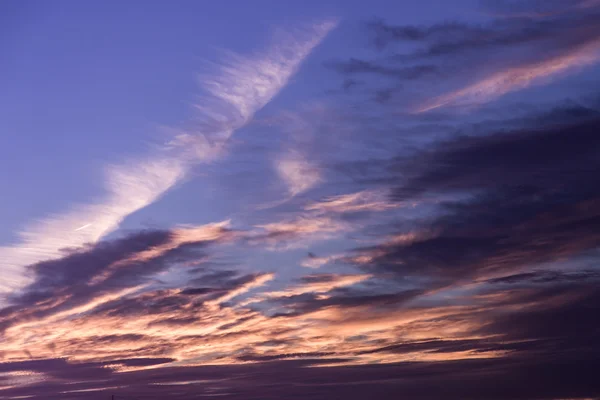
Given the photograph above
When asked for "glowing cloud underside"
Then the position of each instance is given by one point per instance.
(241, 86)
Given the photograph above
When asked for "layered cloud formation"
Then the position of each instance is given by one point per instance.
(426, 248)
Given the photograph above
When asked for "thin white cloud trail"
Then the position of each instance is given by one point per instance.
(241, 86)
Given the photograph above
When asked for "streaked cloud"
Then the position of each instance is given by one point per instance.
(297, 232)
(317, 283)
(516, 78)
(239, 87)
(314, 261)
(130, 187)
(179, 237)
(354, 202)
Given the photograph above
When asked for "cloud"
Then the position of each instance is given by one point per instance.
(149, 340)
(259, 280)
(511, 200)
(554, 315)
(320, 220)
(207, 315)
(313, 261)
(516, 78)
(297, 172)
(536, 46)
(85, 279)
(297, 232)
(179, 237)
(130, 187)
(474, 379)
(317, 283)
(239, 88)
(551, 31)
(536, 9)
(356, 66)
(354, 202)
(129, 313)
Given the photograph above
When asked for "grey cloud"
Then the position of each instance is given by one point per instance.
(522, 198)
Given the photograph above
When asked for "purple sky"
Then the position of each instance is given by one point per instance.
(318, 199)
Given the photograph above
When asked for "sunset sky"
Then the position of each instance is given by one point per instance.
(273, 199)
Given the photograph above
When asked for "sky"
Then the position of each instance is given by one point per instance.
(322, 200)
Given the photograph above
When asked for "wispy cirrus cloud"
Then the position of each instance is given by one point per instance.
(238, 88)
(533, 47)
(297, 172)
(316, 283)
(130, 187)
(516, 78)
(297, 232)
(354, 202)
(321, 220)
